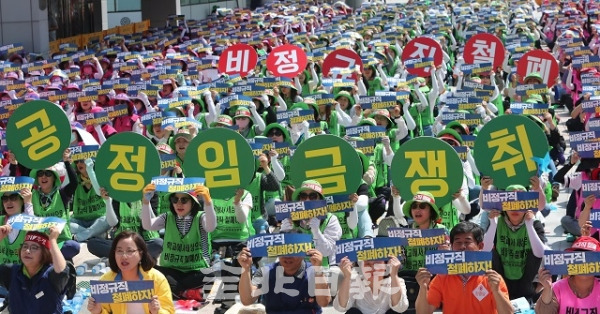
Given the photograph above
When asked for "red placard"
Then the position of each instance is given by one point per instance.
(342, 58)
(238, 59)
(484, 48)
(541, 62)
(419, 48)
(287, 60)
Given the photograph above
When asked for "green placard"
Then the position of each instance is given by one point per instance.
(125, 163)
(223, 157)
(427, 164)
(331, 161)
(38, 133)
(505, 147)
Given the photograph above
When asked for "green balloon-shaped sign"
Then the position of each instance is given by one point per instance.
(506, 147)
(125, 163)
(223, 157)
(427, 164)
(38, 133)
(331, 161)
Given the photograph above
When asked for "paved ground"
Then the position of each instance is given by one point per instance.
(554, 233)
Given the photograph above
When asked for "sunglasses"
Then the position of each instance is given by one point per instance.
(419, 205)
(275, 133)
(311, 196)
(79, 161)
(11, 197)
(45, 173)
(184, 200)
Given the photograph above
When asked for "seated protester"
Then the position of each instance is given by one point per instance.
(129, 261)
(39, 283)
(89, 211)
(280, 134)
(186, 224)
(463, 294)
(122, 216)
(325, 232)
(50, 200)
(516, 240)
(379, 292)
(13, 204)
(572, 293)
(300, 276)
(265, 183)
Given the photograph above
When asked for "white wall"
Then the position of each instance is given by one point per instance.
(201, 11)
(114, 19)
(23, 22)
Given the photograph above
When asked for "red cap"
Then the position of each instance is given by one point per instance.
(585, 244)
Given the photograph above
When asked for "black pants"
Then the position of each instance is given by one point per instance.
(230, 271)
(522, 287)
(180, 281)
(357, 311)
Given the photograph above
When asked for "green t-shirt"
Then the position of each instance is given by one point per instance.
(9, 252)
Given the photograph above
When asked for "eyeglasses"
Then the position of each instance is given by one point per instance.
(420, 205)
(184, 200)
(11, 197)
(45, 173)
(30, 248)
(311, 196)
(275, 132)
(125, 253)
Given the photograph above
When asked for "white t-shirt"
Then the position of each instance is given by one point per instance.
(361, 297)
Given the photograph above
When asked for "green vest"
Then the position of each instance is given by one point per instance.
(164, 204)
(415, 256)
(9, 252)
(392, 71)
(323, 226)
(333, 125)
(425, 117)
(257, 200)
(87, 205)
(513, 247)
(285, 163)
(381, 169)
(130, 220)
(227, 225)
(185, 253)
(449, 216)
(374, 85)
(56, 209)
(347, 233)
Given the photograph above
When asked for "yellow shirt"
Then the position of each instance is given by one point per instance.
(161, 289)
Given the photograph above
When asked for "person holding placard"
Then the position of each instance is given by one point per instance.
(248, 121)
(129, 260)
(264, 188)
(572, 294)
(89, 210)
(186, 224)
(39, 283)
(13, 204)
(381, 293)
(369, 81)
(463, 294)
(50, 200)
(516, 240)
(307, 278)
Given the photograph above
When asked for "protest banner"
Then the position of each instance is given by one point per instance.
(297, 211)
(418, 237)
(342, 58)
(572, 263)
(176, 185)
(458, 262)
(128, 161)
(15, 184)
(367, 249)
(140, 291)
(590, 187)
(280, 244)
(510, 200)
(540, 62)
(484, 48)
(419, 48)
(33, 223)
(38, 133)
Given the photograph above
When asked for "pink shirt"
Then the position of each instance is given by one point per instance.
(568, 302)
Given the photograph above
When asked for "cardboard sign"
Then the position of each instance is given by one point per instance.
(15, 184)
(419, 237)
(590, 187)
(238, 59)
(281, 244)
(528, 108)
(223, 158)
(331, 161)
(367, 132)
(541, 62)
(84, 152)
(572, 263)
(339, 203)
(510, 200)
(427, 164)
(287, 60)
(505, 149)
(167, 162)
(585, 143)
(297, 211)
(33, 223)
(419, 48)
(484, 48)
(128, 161)
(38, 133)
(342, 58)
(367, 249)
(140, 291)
(176, 185)
(458, 262)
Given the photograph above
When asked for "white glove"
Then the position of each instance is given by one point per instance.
(89, 162)
(481, 111)
(353, 219)
(421, 107)
(369, 176)
(286, 225)
(305, 125)
(265, 100)
(385, 141)
(252, 106)
(315, 224)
